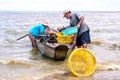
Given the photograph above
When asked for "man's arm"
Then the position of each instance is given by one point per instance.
(62, 27)
(80, 22)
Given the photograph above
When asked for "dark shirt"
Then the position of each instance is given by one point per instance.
(74, 20)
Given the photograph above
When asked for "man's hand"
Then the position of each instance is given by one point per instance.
(60, 28)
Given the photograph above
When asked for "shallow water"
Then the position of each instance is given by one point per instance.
(18, 61)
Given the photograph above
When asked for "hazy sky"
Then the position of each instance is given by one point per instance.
(60, 5)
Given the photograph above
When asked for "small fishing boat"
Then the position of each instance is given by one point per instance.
(52, 46)
(55, 51)
(49, 46)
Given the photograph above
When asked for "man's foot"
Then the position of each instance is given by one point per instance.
(84, 45)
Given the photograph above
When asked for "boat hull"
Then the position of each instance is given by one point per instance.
(53, 50)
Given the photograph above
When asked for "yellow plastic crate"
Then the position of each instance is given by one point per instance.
(82, 62)
(64, 39)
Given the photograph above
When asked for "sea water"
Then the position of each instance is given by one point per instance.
(19, 61)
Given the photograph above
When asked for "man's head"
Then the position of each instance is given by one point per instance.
(67, 14)
(45, 23)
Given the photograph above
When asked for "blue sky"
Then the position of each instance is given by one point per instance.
(60, 5)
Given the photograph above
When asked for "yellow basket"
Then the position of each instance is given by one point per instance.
(82, 62)
(64, 39)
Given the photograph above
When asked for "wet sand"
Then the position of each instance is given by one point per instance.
(98, 75)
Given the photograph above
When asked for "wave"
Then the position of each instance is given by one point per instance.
(106, 30)
(109, 66)
(111, 45)
(14, 62)
(97, 42)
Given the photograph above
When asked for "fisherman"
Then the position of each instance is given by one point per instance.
(37, 30)
(82, 38)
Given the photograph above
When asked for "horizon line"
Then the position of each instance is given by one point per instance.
(56, 11)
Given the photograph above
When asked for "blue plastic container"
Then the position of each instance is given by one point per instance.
(69, 31)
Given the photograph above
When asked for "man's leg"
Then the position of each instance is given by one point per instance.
(84, 45)
(33, 40)
(83, 40)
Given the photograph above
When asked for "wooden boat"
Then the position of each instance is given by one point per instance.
(53, 50)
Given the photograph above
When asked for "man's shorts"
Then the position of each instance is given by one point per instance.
(83, 38)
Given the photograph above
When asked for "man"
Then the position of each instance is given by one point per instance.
(82, 38)
(35, 31)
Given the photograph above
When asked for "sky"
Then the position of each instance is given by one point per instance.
(60, 5)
